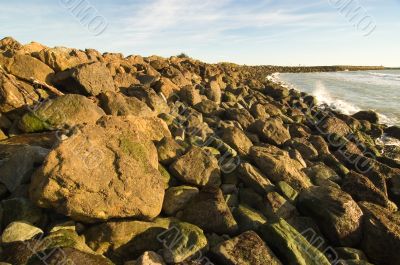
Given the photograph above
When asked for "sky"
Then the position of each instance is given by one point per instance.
(252, 32)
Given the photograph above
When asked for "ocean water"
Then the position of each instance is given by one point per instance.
(350, 92)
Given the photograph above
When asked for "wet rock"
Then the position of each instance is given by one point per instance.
(19, 231)
(17, 163)
(88, 79)
(177, 197)
(73, 182)
(381, 234)
(117, 104)
(65, 111)
(271, 131)
(197, 167)
(290, 246)
(337, 215)
(181, 241)
(370, 116)
(247, 249)
(393, 131)
(277, 165)
(209, 211)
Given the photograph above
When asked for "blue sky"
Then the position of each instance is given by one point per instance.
(279, 32)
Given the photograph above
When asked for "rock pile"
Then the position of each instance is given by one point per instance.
(106, 159)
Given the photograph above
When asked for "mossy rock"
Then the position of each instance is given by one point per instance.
(248, 219)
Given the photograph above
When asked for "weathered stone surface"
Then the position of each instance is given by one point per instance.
(197, 167)
(26, 67)
(242, 116)
(177, 197)
(277, 165)
(189, 95)
(88, 79)
(15, 94)
(248, 219)
(102, 171)
(181, 241)
(254, 179)
(272, 131)
(336, 213)
(381, 234)
(362, 189)
(150, 97)
(305, 148)
(334, 126)
(126, 239)
(237, 139)
(290, 246)
(117, 104)
(19, 231)
(65, 111)
(17, 163)
(169, 150)
(246, 249)
(209, 211)
(61, 58)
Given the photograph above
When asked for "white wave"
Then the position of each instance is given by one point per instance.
(386, 76)
(324, 97)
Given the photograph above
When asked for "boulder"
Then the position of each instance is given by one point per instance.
(19, 231)
(20, 210)
(177, 197)
(62, 112)
(393, 131)
(242, 116)
(271, 131)
(277, 165)
(17, 163)
(381, 234)
(26, 67)
(61, 58)
(197, 167)
(148, 258)
(15, 94)
(332, 126)
(209, 211)
(189, 95)
(169, 150)
(150, 97)
(166, 87)
(368, 115)
(336, 213)
(117, 104)
(214, 92)
(88, 79)
(245, 249)
(290, 246)
(237, 139)
(253, 178)
(181, 241)
(126, 239)
(362, 189)
(102, 171)
(248, 218)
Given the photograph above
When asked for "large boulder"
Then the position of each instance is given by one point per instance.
(177, 197)
(26, 67)
(381, 234)
(102, 171)
(17, 163)
(65, 111)
(209, 211)
(237, 139)
(197, 167)
(253, 178)
(245, 249)
(291, 247)
(88, 79)
(279, 166)
(61, 58)
(338, 215)
(271, 131)
(333, 126)
(367, 115)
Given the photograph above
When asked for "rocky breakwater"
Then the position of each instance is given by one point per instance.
(106, 159)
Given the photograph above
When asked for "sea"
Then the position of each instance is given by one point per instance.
(350, 92)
